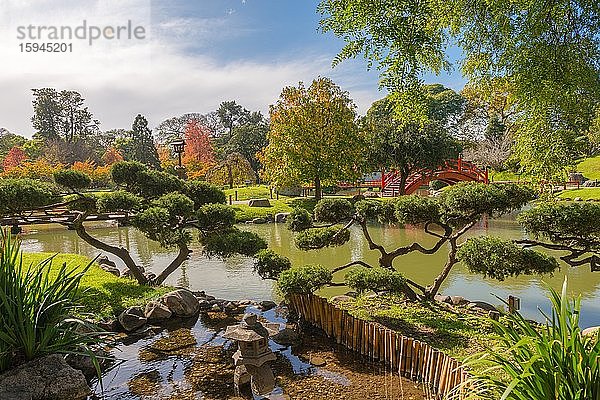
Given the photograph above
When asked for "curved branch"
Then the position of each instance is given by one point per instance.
(350, 264)
(184, 254)
(367, 235)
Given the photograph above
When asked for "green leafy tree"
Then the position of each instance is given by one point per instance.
(313, 137)
(61, 115)
(408, 147)
(235, 169)
(248, 140)
(139, 144)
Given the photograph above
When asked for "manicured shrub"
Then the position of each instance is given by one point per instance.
(416, 209)
(268, 264)
(437, 184)
(125, 172)
(118, 201)
(299, 220)
(215, 217)
(204, 193)
(232, 241)
(72, 179)
(318, 238)
(304, 279)
(18, 195)
(333, 210)
(377, 279)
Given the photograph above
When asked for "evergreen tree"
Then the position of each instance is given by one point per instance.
(139, 146)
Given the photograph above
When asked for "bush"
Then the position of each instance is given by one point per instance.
(204, 193)
(118, 201)
(126, 172)
(499, 259)
(531, 362)
(37, 311)
(17, 195)
(333, 210)
(305, 279)
(317, 238)
(268, 264)
(178, 205)
(377, 279)
(416, 209)
(72, 179)
(152, 184)
(232, 241)
(215, 217)
(299, 220)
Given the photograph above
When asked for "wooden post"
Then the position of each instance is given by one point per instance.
(277, 194)
(514, 304)
(271, 192)
(230, 199)
(236, 196)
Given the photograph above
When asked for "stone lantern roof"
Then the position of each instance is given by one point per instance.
(250, 330)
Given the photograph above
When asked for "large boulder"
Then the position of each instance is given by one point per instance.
(266, 305)
(259, 203)
(458, 301)
(132, 319)
(156, 311)
(106, 261)
(110, 269)
(281, 217)
(47, 378)
(182, 303)
(286, 337)
(342, 298)
(481, 305)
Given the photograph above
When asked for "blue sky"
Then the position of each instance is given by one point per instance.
(197, 54)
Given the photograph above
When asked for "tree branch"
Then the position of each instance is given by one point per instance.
(350, 264)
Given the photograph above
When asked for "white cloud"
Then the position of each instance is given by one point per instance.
(154, 77)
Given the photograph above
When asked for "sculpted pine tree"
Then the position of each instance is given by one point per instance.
(313, 137)
(163, 207)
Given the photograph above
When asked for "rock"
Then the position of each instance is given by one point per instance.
(351, 293)
(46, 378)
(442, 298)
(181, 302)
(280, 218)
(259, 203)
(266, 305)
(126, 273)
(111, 325)
(593, 330)
(157, 311)
(150, 276)
(110, 269)
(259, 221)
(577, 177)
(342, 298)
(458, 301)
(215, 308)
(106, 261)
(230, 306)
(209, 297)
(482, 305)
(132, 318)
(370, 195)
(286, 337)
(318, 361)
(85, 364)
(577, 199)
(204, 304)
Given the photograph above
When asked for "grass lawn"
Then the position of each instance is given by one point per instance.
(251, 192)
(104, 295)
(457, 334)
(243, 212)
(590, 167)
(584, 193)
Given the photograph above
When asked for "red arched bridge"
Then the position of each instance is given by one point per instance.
(451, 172)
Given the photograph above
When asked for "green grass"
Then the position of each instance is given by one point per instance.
(243, 212)
(104, 295)
(506, 176)
(590, 167)
(251, 192)
(585, 194)
(457, 334)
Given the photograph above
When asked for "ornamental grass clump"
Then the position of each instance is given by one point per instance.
(532, 362)
(38, 308)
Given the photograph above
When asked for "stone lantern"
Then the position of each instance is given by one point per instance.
(253, 354)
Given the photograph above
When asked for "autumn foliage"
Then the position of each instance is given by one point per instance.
(199, 154)
(14, 158)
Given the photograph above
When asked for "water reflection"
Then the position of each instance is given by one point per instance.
(234, 279)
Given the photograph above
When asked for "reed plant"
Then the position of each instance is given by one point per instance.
(551, 361)
(38, 310)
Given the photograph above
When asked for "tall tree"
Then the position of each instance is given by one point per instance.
(9, 140)
(61, 115)
(231, 115)
(139, 145)
(199, 154)
(313, 137)
(15, 157)
(548, 52)
(233, 170)
(174, 128)
(249, 139)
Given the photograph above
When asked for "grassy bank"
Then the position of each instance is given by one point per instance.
(103, 294)
(457, 333)
(584, 193)
(590, 167)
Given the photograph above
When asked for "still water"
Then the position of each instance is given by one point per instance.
(234, 279)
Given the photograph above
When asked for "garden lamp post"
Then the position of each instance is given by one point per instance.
(179, 148)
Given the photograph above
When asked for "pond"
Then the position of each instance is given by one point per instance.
(234, 279)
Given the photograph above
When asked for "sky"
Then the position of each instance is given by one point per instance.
(192, 55)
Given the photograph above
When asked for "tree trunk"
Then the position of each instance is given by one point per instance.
(318, 189)
(120, 252)
(184, 253)
(433, 289)
(230, 176)
(402, 186)
(385, 261)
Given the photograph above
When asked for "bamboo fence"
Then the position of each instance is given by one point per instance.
(413, 359)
